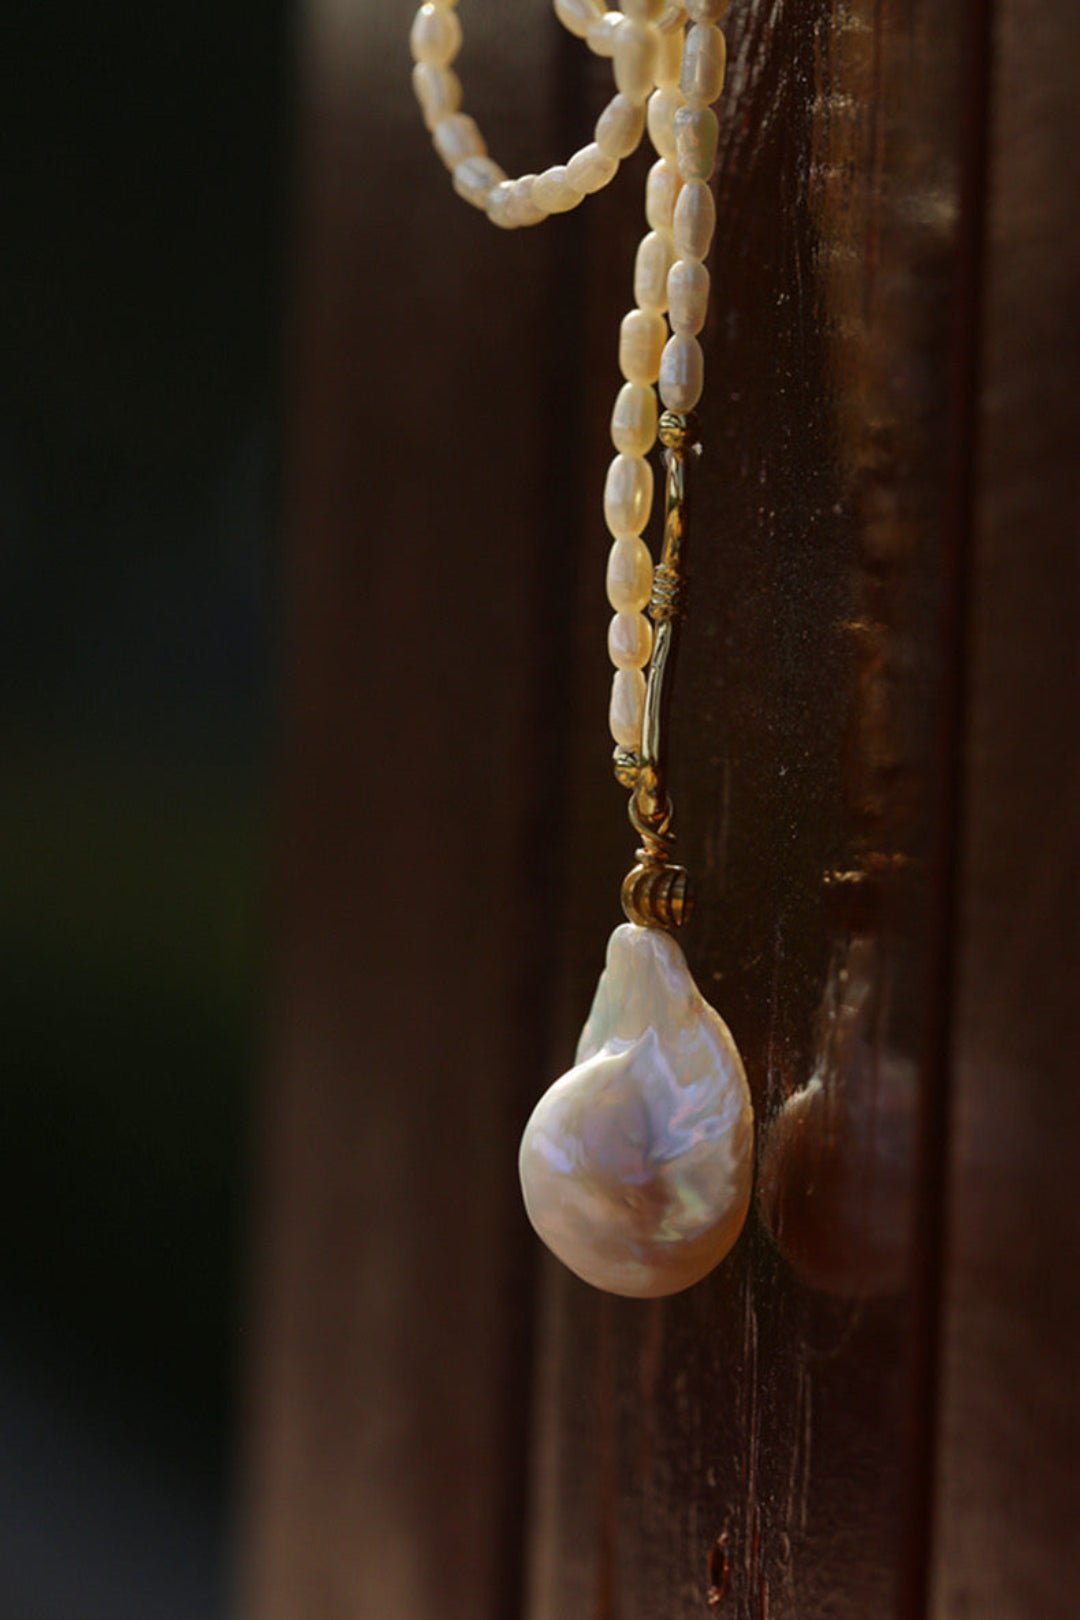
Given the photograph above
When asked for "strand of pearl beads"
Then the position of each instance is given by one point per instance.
(670, 278)
(637, 38)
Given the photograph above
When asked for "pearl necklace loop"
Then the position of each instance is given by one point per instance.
(636, 1166)
(667, 77)
(644, 40)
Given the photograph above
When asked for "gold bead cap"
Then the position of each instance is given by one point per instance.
(656, 895)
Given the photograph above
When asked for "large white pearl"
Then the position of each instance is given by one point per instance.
(636, 1165)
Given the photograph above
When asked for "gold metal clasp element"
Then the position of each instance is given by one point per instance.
(656, 893)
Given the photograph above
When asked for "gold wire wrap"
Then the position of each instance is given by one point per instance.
(656, 893)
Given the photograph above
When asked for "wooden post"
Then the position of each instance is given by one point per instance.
(439, 1427)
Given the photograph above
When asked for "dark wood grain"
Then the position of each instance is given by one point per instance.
(1010, 1489)
(777, 1419)
(452, 844)
(426, 545)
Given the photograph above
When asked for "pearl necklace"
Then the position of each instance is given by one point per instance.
(636, 1165)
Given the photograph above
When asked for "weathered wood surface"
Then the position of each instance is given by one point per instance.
(425, 546)
(453, 844)
(1009, 1479)
(776, 1420)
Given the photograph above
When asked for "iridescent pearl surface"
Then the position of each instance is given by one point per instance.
(636, 1165)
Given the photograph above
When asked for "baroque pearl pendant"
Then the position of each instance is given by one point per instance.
(636, 1165)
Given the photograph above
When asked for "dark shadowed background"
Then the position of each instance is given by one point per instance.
(143, 170)
(309, 845)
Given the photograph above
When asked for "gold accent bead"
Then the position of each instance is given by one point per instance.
(657, 895)
(627, 767)
(677, 432)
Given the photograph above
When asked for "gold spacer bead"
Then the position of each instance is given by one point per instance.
(627, 765)
(657, 895)
(677, 432)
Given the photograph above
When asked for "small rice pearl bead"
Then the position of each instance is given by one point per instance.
(590, 169)
(601, 34)
(576, 15)
(651, 268)
(633, 420)
(523, 210)
(457, 138)
(438, 90)
(620, 127)
(628, 494)
(697, 133)
(553, 192)
(629, 640)
(669, 57)
(476, 178)
(635, 60)
(688, 296)
(435, 35)
(694, 221)
(661, 194)
(682, 373)
(641, 342)
(499, 205)
(629, 574)
(664, 106)
(627, 709)
(706, 11)
(703, 65)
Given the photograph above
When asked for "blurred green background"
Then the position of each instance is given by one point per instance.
(143, 267)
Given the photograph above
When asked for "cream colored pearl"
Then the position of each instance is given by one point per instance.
(438, 90)
(661, 194)
(475, 178)
(669, 57)
(629, 574)
(620, 127)
(697, 132)
(627, 709)
(457, 138)
(628, 494)
(590, 169)
(682, 373)
(663, 106)
(629, 640)
(633, 420)
(636, 1166)
(641, 343)
(522, 209)
(499, 205)
(553, 193)
(688, 296)
(694, 221)
(576, 15)
(706, 11)
(704, 61)
(635, 60)
(654, 257)
(600, 37)
(435, 36)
